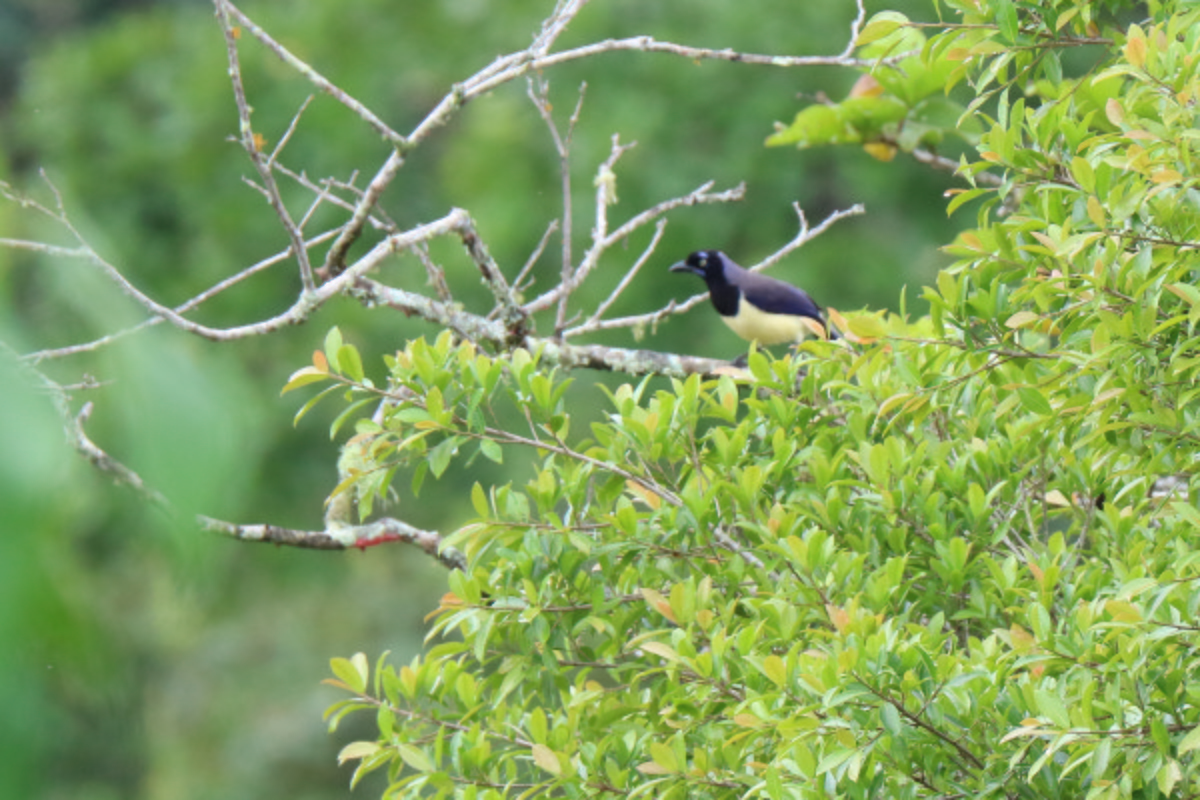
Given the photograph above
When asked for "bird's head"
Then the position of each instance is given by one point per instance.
(707, 264)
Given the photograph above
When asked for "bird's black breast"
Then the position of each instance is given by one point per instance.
(724, 298)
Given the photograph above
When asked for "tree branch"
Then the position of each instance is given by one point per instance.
(343, 537)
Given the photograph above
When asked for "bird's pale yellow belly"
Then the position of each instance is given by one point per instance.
(766, 329)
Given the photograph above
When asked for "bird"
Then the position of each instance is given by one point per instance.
(757, 307)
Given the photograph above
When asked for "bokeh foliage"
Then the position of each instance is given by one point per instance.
(955, 560)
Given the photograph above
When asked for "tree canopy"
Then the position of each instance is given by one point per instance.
(950, 555)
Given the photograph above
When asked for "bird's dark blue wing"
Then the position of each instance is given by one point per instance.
(777, 297)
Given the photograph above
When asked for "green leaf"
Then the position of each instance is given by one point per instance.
(664, 757)
(890, 718)
(1050, 705)
(357, 750)
(304, 409)
(303, 377)
(1168, 775)
(1006, 19)
(333, 346)
(350, 362)
(414, 757)
(345, 416)
(880, 26)
(546, 758)
(867, 326)
(1189, 742)
(492, 450)
(479, 500)
(439, 457)
(773, 668)
(352, 671)
(816, 125)
(1034, 401)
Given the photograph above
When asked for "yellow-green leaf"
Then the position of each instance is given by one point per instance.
(1114, 111)
(352, 671)
(350, 362)
(659, 604)
(1034, 401)
(357, 750)
(1135, 47)
(414, 757)
(1021, 319)
(876, 29)
(303, 377)
(773, 668)
(662, 650)
(545, 758)
(887, 405)
(866, 326)
(664, 756)
(1052, 706)
(1190, 742)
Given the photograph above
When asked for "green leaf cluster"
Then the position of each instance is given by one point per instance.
(958, 561)
(902, 101)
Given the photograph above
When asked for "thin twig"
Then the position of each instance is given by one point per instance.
(519, 281)
(592, 257)
(212, 291)
(538, 91)
(251, 144)
(228, 9)
(855, 26)
(659, 227)
(516, 65)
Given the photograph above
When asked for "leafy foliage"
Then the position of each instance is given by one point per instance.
(896, 105)
(957, 563)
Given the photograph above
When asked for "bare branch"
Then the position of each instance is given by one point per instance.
(437, 275)
(516, 319)
(806, 233)
(456, 221)
(228, 9)
(291, 129)
(215, 289)
(377, 219)
(77, 438)
(83, 444)
(45, 249)
(518, 282)
(516, 65)
(252, 145)
(659, 227)
(929, 158)
(372, 534)
(538, 91)
(859, 18)
(504, 327)
(592, 257)
(648, 44)
(554, 352)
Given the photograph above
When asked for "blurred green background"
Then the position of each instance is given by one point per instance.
(141, 658)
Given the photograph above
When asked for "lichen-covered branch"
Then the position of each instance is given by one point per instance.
(344, 537)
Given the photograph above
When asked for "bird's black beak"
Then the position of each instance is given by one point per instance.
(683, 266)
